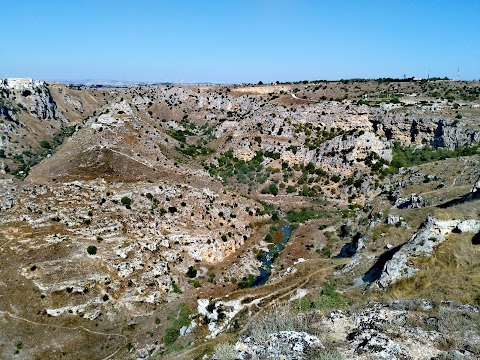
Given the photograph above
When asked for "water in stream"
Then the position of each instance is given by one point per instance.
(267, 258)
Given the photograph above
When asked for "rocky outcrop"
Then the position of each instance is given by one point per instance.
(370, 336)
(287, 345)
(432, 233)
(351, 248)
(475, 192)
(396, 330)
(414, 201)
(400, 330)
(418, 130)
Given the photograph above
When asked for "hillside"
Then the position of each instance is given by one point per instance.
(134, 220)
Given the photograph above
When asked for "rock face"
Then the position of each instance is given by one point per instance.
(432, 233)
(288, 345)
(413, 202)
(400, 330)
(107, 226)
(351, 248)
(475, 192)
(370, 335)
(395, 330)
(418, 130)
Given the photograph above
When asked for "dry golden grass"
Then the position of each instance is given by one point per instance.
(452, 273)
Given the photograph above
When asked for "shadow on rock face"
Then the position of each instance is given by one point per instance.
(476, 239)
(375, 272)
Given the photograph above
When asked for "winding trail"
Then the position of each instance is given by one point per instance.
(130, 157)
(456, 177)
(7, 313)
(263, 302)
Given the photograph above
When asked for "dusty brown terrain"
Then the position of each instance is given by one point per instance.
(118, 205)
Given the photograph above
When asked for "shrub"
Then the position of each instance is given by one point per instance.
(326, 251)
(45, 144)
(291, 189)
(175, 288)
(191, 272)
(18, 347)
(408, 156)
(171, 335)
(246, 281)
(273, 189)
(92, 250)
(329, 298)
(299, 216)
(126, 201)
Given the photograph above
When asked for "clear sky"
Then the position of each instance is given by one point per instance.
(238, 40)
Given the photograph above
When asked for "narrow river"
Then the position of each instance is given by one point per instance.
(267, 258)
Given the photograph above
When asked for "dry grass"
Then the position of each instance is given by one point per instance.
(224, 351)
(451, 273)
(281, 318)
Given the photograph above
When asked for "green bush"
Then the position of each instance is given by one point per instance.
(126, 201)
(175, 288)
(92, 250)
(171, 335)
(246, 281)
(45, 144)
(291, 189)
(329, 299)
(191, 272)
(273, 188)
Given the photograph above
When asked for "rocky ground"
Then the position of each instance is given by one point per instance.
(134, 219)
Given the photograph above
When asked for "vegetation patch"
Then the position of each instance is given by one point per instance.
(409, 156)
(300, 216)
(180, 318)
(329, 299)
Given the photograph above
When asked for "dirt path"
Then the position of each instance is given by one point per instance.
(263, 302)
(456, 177)
(69, 328)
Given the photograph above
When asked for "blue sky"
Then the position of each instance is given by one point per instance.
(238, 41)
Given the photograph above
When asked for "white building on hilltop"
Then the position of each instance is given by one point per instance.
(22, 83)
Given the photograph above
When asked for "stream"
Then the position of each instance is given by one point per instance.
(268, 257)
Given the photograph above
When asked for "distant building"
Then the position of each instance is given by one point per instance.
(21, 83)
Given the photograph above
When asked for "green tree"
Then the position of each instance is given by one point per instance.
(92, 250)
(273, 189)
(45, 144)
(126, 201)
(192, 272)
